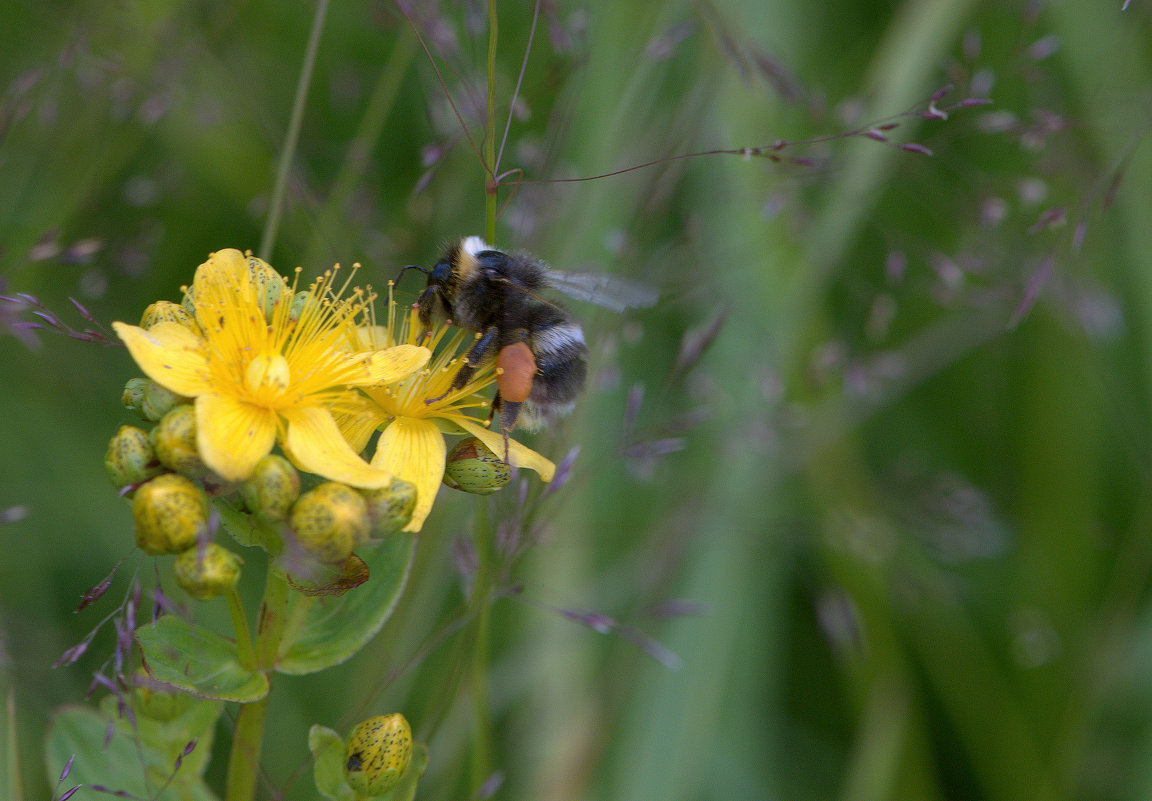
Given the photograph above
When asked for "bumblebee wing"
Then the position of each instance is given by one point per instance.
(608, 291)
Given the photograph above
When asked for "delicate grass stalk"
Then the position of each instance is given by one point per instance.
(15, 787)
(247, 739)
(367, 135)
(491, 188)
(481, 761)
(276, 204)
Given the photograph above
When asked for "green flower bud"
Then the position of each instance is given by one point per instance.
(208, 574)
(158, 401)
(170, 513)
(167, 311)
(130, 458)
(299, 301)
(174, 439)
(390, 508)
(329, 521)
(272, 488)
(377, 754)
(132, 398)
(471, 466)
(270, 285)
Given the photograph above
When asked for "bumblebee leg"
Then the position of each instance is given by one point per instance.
(509, 411)
(472, 360)
(497, 405)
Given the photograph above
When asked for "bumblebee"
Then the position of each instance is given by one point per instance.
(539, 348)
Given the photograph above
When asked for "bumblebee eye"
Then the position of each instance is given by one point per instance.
(440, 273)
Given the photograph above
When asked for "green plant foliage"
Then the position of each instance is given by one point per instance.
(198, 661)
(245, 529)
(336, 628)
(159, 760)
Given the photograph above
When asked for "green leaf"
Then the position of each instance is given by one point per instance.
(245, 528)
(336, 628)
(328, 751)
(198, 661)
(126, 764)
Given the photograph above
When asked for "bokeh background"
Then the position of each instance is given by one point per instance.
(861, 509)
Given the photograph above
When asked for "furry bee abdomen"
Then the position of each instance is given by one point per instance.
(561, 370)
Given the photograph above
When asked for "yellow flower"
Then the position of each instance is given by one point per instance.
(411, 444)
(264, 366)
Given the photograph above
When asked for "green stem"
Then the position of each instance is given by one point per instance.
(481, 602)
(276, 204)
(244, 762)
(298, 608)
(244, 647)
(247, 739)
(481, 762)
(490, 187)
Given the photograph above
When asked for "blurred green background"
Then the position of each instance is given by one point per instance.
(875, 470)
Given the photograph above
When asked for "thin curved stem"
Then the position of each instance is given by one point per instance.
(276, 204)
(491, 188)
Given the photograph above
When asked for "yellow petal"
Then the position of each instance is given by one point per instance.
(413, 450)
(372, 337)
(225, 267)
(518, 455)
(317, 446)
(391, 364)
(356, 428)
(233, 435)
(170, 354)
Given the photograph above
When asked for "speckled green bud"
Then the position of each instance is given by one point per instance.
(329, 521)
(471, 466)
(269, 284)
(272, 488)
(130, 458)
(166, 311)
(188, 303)
(174, 439)
(299, 300)
(132, 398)
(390, 508)
(170, 513)
(208, 574)
(157, 401)
(377, 754)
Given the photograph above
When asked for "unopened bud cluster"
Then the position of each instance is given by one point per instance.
(161, 471)
(169, 484)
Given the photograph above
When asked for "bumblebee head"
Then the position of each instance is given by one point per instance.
(460, 264)
(435, 299)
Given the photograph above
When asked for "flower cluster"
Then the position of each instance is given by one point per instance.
(250, 361)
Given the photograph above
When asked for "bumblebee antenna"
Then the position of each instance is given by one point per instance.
(407, 268)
